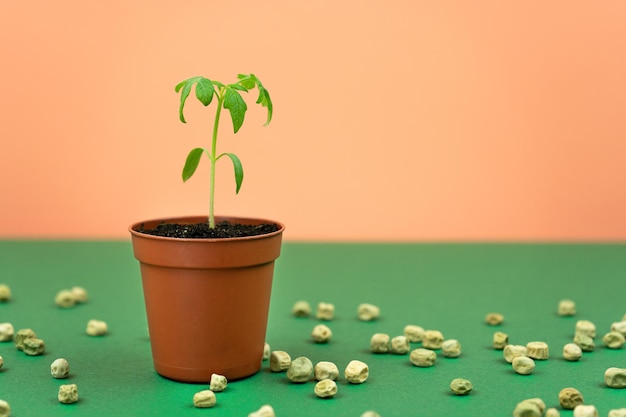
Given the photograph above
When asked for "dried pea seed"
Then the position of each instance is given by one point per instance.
(356, 372)
(301, 309)
(65, 299)
(379, 343)
(537, 350)
(60, 368)
(585, 411)
(21, 336)
(615, 377)
(414, 333)
(512, 351)
(325, 311)
(494, 319)
(34, 347)
(552, 412)
(432, 339)
(423, 358)
(527, 408)
(266, 351)
(570, 398)
(614, 340)
(300, 370)
(368, 312)
(572, 352)
(5, 409)
(6, 332)
(96, 328)
(218, 383)
(326, 388)
(325, 370)
(370, 414)
(204, 399)
(68, 393)
(279, 361)
(264, 411)
(5, 293)
(451, 348)
(523, 365)
(1, 362)
(500, 340)
(399, 345)
(617, 412)
(539, 403)
(461, 386)
(566, 308)
(619, 326)
(585, 342)
(321, 333)
(586, 327)
(80, 294)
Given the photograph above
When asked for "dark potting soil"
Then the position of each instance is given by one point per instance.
(223, 229)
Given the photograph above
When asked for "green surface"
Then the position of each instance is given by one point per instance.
(447, 287)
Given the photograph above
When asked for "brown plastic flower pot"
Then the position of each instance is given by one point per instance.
(207, 300)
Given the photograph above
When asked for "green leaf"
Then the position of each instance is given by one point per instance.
(236, 106)
(238, 170)
(186, 89)
(193, 158)
(246, 81)
(265, 100)
(238, 87)
(204, 91)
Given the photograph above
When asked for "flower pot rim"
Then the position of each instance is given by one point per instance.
(200, 218)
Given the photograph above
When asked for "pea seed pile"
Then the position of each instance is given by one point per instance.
(27, 341)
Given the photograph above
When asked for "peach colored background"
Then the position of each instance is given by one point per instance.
(404, 120)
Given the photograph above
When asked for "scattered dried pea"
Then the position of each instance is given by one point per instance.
(65, 299)
(34, 347)
(615, 377)
(399, 345)
(572, 352)
(494, 319)
(619, 326)
(585, 411)
(539, 403)
(586, 327)
(80, 294)
(300, 370)
(451, 348)
(301, 309)
(537, 350)
(356, 372)
(379, 343)
(370, 414)
(500, 340)
(279, 361)
(552, 412)
(204, 399)
(264, 411)
(1, 362)
(218, 383)
(325, 370)
(461, 386)
(5, 409)
(325, 311)
(614, 340)
(96, 328)
(68, 393)
(423, 357)
(617, 412)
(321, 333)
(523, 365)
(432, 339)
(569, 398)
(5, 293)
(6, 332)
(566, 308)
(266, 351)
(368, 312)
(585, 342)
(512, 351)
(527, 408)
(326, 388)
(60, 368)
(21, 336)
(414, 333)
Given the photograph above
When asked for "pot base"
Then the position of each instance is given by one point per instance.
(203, 376)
